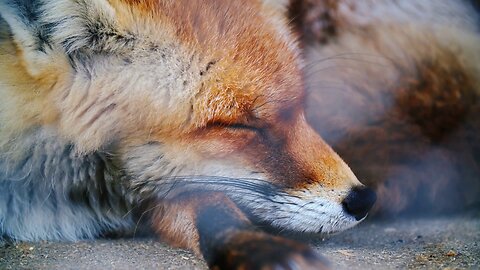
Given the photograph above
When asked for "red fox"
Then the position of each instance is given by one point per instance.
(187, 117)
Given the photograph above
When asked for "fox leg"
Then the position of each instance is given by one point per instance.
(211, 225)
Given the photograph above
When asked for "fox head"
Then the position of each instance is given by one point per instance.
(183, 95)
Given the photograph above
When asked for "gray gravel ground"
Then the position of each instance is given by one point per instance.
(429, 243)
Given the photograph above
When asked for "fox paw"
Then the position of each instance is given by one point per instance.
(261, 251)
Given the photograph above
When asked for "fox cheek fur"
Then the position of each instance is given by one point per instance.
(184, 114)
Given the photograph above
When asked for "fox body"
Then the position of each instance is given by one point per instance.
(183, 116)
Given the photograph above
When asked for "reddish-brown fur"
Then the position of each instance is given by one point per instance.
(251, 83)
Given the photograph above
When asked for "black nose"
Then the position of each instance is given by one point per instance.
(359, 201)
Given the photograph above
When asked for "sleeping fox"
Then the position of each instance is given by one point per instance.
(187, 117)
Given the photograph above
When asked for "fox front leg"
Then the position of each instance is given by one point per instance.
(212, 226)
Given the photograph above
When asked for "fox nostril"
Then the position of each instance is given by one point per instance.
(359, 201)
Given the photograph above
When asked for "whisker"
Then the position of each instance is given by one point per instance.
(296, 213)
(318, 69)
(141, 217)
(163, 187)
(345, 56)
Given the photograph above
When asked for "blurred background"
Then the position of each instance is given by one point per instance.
(394, 87)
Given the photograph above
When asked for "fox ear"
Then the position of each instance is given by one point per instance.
(45, 31)
(21, 20)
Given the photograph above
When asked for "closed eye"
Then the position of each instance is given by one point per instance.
(237, 126)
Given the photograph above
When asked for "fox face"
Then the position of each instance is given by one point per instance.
(186, 96)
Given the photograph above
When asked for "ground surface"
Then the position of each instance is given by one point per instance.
(429, 243)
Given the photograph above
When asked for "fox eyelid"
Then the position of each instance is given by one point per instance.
(242, 126)
(238, 126)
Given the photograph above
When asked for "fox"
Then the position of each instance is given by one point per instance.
(213, 125)
(183, 116)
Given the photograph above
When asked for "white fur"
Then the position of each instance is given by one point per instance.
(306, 211)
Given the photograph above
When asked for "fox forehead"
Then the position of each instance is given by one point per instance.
(202, 22)
(155, 67)
(245, 63)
